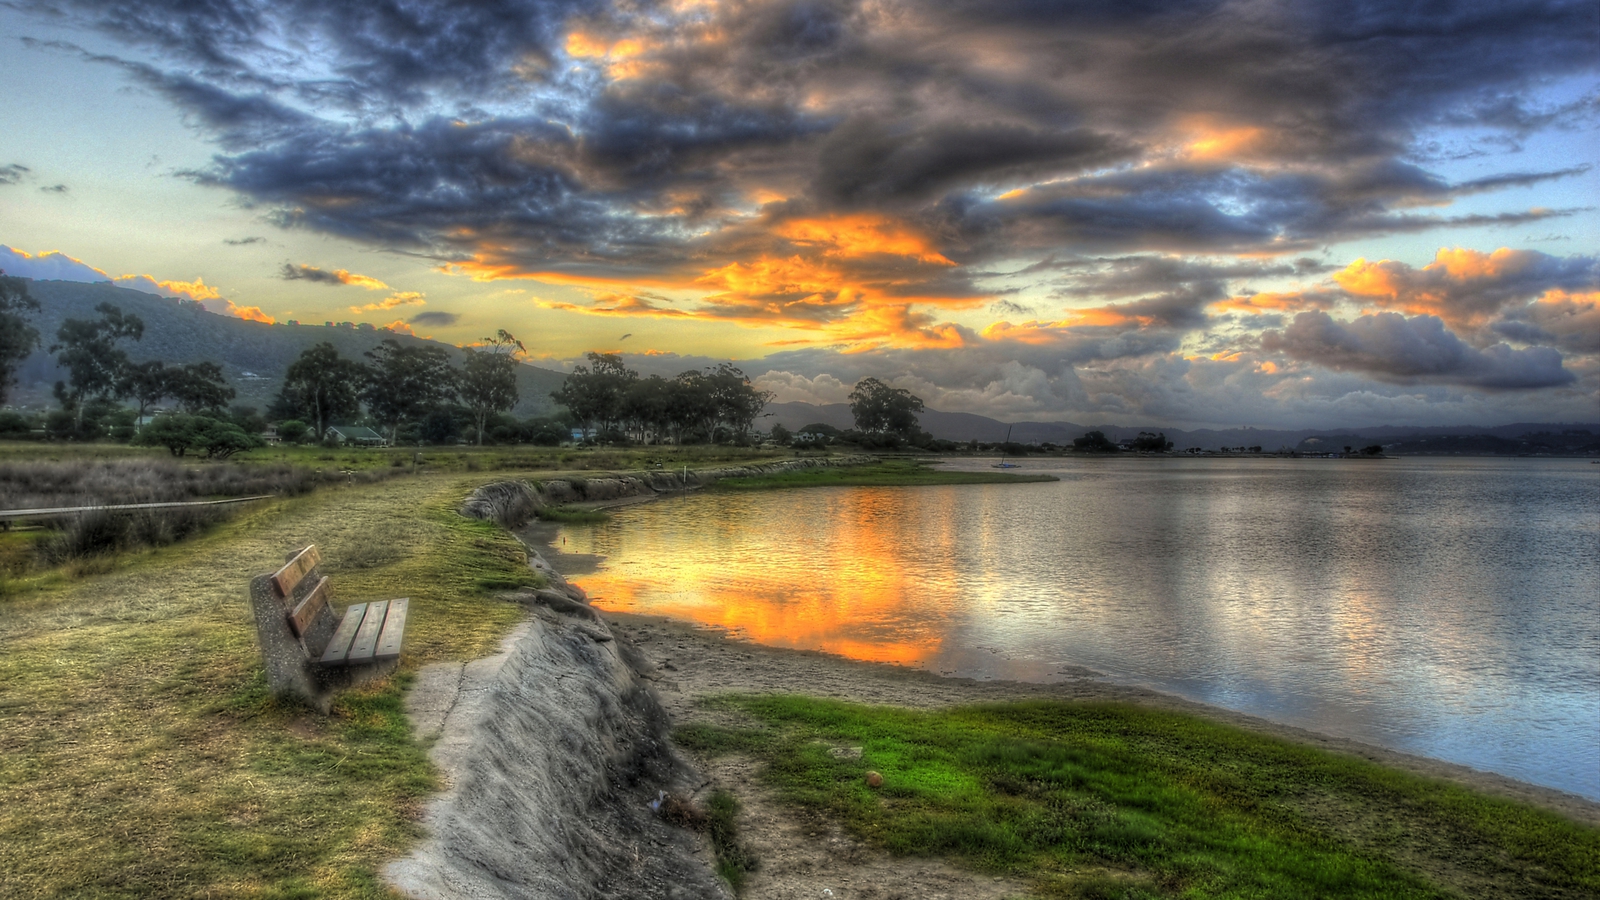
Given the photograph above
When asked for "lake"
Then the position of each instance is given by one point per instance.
(1444, 607)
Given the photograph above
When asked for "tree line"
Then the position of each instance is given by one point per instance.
(615, 404)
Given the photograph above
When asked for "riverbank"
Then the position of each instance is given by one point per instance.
(803, 851)
(1404, 819)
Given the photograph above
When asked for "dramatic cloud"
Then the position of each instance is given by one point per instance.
(846, 168)
(292, 272)
(1396, 348)
(1466, 287)
(1009, 207)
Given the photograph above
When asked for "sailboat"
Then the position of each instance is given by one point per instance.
(1002, 464)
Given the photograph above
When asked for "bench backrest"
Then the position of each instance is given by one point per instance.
(303, 596)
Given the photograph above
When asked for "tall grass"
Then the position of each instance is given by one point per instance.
(85, 543)
(96, 482)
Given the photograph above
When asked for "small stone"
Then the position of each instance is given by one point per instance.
(874, 780)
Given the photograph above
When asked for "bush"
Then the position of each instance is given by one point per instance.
(15, 425)
(293, 431)
(211, 438)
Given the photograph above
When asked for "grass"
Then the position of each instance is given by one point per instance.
(1117, 801)
(140, 752)
(735, 860)
(884, 473)
(518, 457)
(573, 515)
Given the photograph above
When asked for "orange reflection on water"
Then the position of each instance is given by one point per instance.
(769, 588)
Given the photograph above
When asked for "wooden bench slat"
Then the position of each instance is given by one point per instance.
(394, 629)
(306, 612)
(338, 649)
(288, 578)
(367, 636)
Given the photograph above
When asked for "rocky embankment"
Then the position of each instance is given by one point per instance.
(554, 748)
(514, 503)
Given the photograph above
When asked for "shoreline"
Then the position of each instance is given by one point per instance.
(708, 647)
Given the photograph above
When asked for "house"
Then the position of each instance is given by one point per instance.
(356, 435)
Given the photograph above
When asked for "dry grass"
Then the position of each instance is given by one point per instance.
(140, 754)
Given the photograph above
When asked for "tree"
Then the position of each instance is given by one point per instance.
(489, 378)
(146, 383)
(881, 409)
(781, 435)
(88, 347)
(595, 394)
(199, 387)
(1094, 442)
(406, 383)
(17, 337)
(736, 401)
(1147, 441)
(321, 387)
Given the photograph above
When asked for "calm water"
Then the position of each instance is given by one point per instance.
(1449, 608)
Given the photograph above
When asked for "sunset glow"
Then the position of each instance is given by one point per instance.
(930, 194)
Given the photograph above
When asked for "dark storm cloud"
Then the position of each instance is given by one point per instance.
(395, 50)
(1392, 347)
(613, 141)
(292, 272)
(435, 318)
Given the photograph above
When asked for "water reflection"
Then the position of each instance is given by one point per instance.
(1450, 608)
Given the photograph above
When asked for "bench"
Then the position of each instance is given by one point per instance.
(311, 651)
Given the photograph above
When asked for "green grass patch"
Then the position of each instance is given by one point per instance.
(1099, 800)
(573, 515)
(735, 860)
(141, 754)
(884, 473)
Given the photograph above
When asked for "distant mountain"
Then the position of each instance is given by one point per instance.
(253, 355)
(969, 427)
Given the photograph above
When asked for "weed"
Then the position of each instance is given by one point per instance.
(735, 860)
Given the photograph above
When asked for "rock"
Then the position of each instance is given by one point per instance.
(874, 780)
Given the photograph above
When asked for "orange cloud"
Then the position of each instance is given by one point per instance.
(194, 290)
(304, 272)
(400, 326)
(1462, 286)
(861, 277)
(1210, 140)
(248, 313)
(859, 235)
(403, 298)
(1274, 302)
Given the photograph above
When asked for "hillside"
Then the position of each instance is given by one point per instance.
(254, 355)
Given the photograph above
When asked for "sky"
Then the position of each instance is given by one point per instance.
(1180, 213)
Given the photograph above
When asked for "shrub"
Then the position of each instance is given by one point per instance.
(293, 431)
